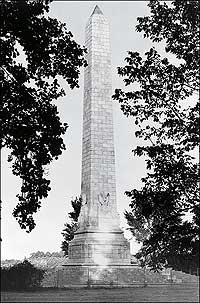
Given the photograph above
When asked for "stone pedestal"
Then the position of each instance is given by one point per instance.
(101, 248)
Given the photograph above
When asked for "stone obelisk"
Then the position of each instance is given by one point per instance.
(99, 240)
(99, 254)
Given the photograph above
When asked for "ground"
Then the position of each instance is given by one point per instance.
(170, 293)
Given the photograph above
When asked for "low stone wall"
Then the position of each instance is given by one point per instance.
(107, 276)
(181, 277)
(111, 276)
(50, 278)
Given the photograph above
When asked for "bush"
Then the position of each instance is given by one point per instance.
(23, 275)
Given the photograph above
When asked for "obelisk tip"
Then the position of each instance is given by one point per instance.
(97, 11)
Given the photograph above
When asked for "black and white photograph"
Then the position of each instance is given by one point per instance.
(99, 116)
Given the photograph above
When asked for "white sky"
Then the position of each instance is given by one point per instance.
(65, 173)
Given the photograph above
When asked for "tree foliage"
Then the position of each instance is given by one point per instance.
(30, 125)
(41, 254)
(21, 276)
(71, 228)
(163, 101)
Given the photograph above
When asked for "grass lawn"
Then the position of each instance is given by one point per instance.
(170, 293)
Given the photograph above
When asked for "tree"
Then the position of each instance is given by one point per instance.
(20, 276)
(160, 103)
(71, 228)
(30, 125)
(41, 254)
(38, 254)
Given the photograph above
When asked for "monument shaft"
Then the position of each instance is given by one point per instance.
(98, 159)
(99, 238)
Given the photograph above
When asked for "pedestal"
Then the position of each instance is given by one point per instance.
(100, 248)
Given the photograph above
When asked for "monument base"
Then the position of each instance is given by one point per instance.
(79, 276)
(96, 247)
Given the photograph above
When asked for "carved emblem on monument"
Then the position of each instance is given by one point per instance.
(104, 199)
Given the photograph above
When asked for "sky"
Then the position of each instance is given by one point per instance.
(65, 173)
